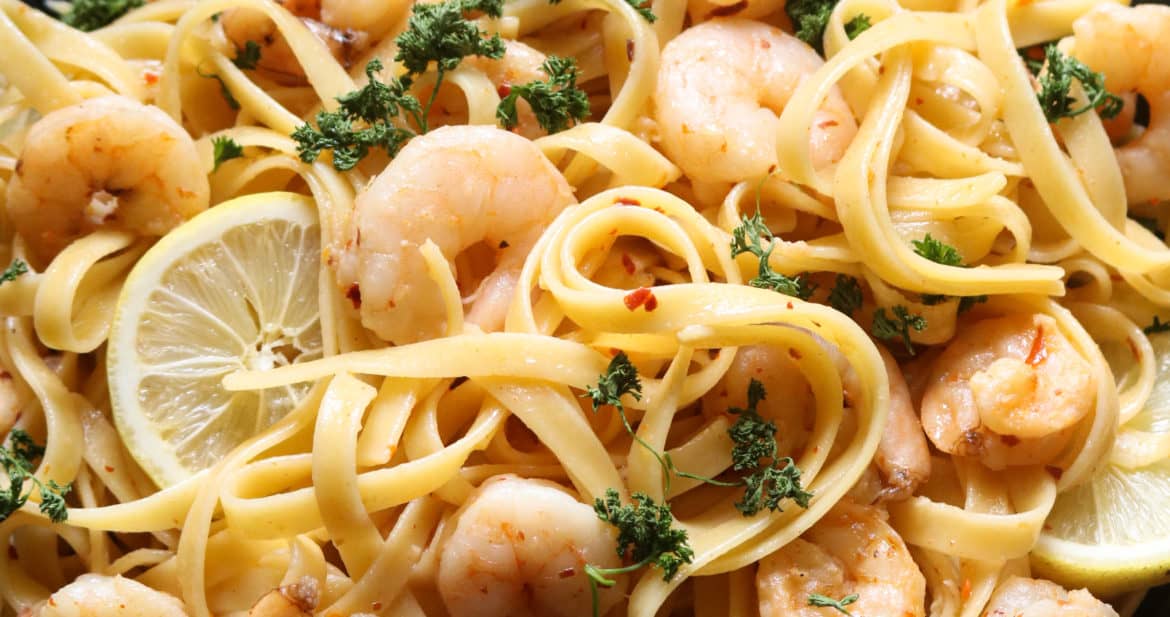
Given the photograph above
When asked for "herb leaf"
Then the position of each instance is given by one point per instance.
(89, 15)
(810, 17)
(899, 326)
(641, 6)
(247, 57)
(14, 269)
(937, 251)
(556, 102)
(223, 89)
(749, 237)
(854, 27)
(225, 149)
(1055, 83)
(771, 478)
(439, 33)
(1157, 326)
(817, 599)
(17, 462)
(619, 378)
(846, 294)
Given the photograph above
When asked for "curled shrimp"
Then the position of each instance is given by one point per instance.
(297, 599)
(902, 455)
(1029, 597)
(460, 187)
(96, 595)
(1008, 390)
(721, 87)
(345, 43)
(852, 550)
(519, 549)
(1129, 46)
(106, 162)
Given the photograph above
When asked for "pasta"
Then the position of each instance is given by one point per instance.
(841, 322)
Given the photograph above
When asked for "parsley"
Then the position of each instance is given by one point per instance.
(557, 102)
(375, 105)
(645, 535)
(247, 57)
(810, 17)
(937, 251)
(748, 238)
(854, 27)
(225, 149)
(1151, 224)
(17, 463)
(1157, 326)
(14, 269)
(967, 303)
(1055, 83)
(886, 328)
(638, 5)
(89, 15)
(771, 478)
(619, 378)
(846, 294)
(223, 89)
(817, 599)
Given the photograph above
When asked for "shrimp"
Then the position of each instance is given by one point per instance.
(519, 65)
(297, 599)
(459, 186)
(95, 595)
(106, 162)
(1008, 390)
(722, 85)
(1129, 46)
(902, 455)
(1029, 597)
(852, 550)
(519, 549)
(345, 43)
(701, 10)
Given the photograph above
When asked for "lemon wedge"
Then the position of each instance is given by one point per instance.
(233, 288)
(1112, 533)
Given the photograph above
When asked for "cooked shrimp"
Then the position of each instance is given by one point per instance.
(721, 87)
(458, 186)
(105, 162)
(1029, 597)
(519, 65)
(95, 595)
(902, 456)
(1008, 390)
(850, 551)
(702, 10)
(297, 599)
(1129, 45)
(243, 25)
(789, 401)
(519, 549)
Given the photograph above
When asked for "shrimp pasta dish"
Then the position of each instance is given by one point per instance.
(808, 308)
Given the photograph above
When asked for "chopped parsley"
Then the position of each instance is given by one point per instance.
(899, 326)
(225, 149)
(810, 18)
(846, 294)
(749, 237)
(771, 478)
(641, 6)
(89, 15)
(1057, 79)
(556, 102)
(817, 599)
(248, 57)
(223, 89)
(14, 269)
(937, 251)
(17, 461)
(854, 27)
(1157, 326)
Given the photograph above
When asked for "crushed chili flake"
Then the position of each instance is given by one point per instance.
(629, 50)
(150, 77)
(1039, 353)
(567, 573)
(790, 306)
(1010, 440)
(110, 469)
(965, 592)
(651, 303)
(354, 293)
(1054, 471)
(504, 90)
(795, 353)
(639, 297)
(628, 263)
(626, 201)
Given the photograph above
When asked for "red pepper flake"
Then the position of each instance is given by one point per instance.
(764, 44)
(613, 351)
(628, 263)
(354, 293)
(1010, 440)
(965, 590)
(567, 573)
(1054, 471)
(790, 306)
(794, 353)
(629, 50)
(827, 124)
(918, 101)
(504, 244)
(772, 170)
(651, 303)
(637, 298)
(626, 201)
(730, 9)
(109, 469)
(376, 605)
(504, 90)
(150, 77)
(1038, 353)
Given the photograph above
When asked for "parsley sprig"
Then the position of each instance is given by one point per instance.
(89, 15)
(846, 294)
(247, 57)
(854, 27)
(1057, 79)
(1157, 326)
(817, 599)
(225, 149)
(17, 462)
(749, 237)
(811, 17)
(641, 6)
(937, 251)
(556, 102)
(887, 328)
(14, 269)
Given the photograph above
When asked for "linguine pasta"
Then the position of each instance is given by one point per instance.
(347, 500)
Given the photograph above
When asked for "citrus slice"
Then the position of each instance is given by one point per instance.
(1112, 533)
(233, 288)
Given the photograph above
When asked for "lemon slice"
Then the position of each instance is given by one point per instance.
(233, 288)
(1112, 534)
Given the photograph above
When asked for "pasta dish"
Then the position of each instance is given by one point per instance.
(584, 307)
